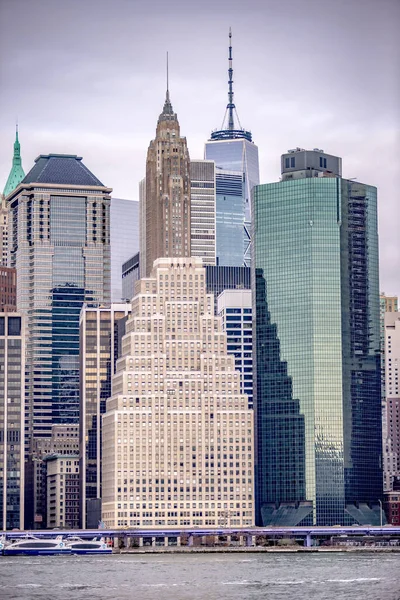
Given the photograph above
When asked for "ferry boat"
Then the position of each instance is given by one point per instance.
(33, 546)
(95, 546)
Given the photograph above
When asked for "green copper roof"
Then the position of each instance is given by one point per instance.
(17, 173)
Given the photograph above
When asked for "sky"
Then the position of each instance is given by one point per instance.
(88, 77)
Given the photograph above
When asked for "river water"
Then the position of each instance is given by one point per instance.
(316, 576)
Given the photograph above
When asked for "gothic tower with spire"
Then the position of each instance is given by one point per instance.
(17, 173)
(166, 201)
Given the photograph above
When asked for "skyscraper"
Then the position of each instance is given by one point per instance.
(316, 258)
(17, 173)
(202, 215)
(60, 246)
(98, 357)
(166, 210)
(232, 149)
(12, 427)
(391, 424)
(124, 240)
(177, 433)
(387, 304)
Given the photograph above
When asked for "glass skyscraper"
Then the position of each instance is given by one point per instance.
(232, 149)
(316, 284)
(60, 246)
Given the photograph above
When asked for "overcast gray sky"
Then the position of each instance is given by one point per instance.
(87, 77)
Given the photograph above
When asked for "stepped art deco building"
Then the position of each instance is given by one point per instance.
(165, 194)
(177, 433)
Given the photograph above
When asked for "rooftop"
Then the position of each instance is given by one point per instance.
(64, 169)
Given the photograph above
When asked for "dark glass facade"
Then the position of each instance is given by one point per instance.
(223, 278)
(316, 244)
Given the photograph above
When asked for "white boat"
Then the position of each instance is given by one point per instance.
(95, 546)
(33, 546)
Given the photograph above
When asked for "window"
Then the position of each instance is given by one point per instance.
(292, 161)
(287, 163)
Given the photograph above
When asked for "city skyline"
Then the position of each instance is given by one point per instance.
(326, 103)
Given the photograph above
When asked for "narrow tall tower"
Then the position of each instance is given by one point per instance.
(166, 210)
(232, 149)
(17, 173)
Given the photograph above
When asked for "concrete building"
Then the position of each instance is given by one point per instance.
(98, 356)
(8, 289)
(177, 433)
(62, 483)
(64, 440)
(3, 231)
(130, 274)
(392, 400)
(202, 194)
(316, 245)
(60, 245)
(235, 309)
(12, 413)
(124, 240)
(166, 209)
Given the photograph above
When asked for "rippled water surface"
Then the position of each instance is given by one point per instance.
(202, 576)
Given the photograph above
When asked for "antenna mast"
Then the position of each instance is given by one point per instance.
(231, 106)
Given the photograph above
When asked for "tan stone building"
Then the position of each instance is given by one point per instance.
(177, 432)
(165, 201)
(3, 231)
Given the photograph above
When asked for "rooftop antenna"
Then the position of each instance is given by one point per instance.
(167, 80)
(231, 106)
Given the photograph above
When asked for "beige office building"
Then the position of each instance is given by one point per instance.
(177, 432)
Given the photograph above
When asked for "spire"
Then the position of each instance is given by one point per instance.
(168, 111)
(17, 173)
(231, 107)
(228, 130)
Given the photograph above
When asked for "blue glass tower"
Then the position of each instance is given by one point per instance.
(232, 149)
(316, 260)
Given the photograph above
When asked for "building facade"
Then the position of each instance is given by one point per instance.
(316, 283)
(60, 246)
(8, 289)
(177, 433)
(124, 240)
(229, 218)
(12, 426)
(64, 440)
(130, 274)
(62, 484)
(391, 425)
(98, 356)
(235, 309)
(202, 211)
(3, 231)
(166, 209)
(220, 278)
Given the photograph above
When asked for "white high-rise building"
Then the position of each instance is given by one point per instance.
(234, 307)
(391, 413)
(177, 432)
(202, 210)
